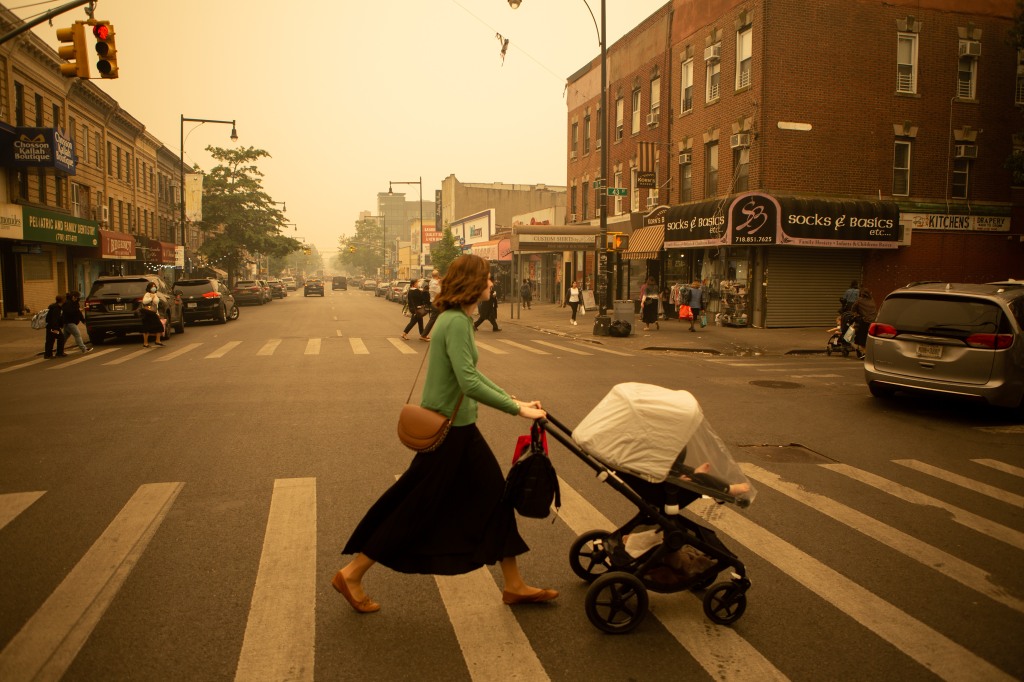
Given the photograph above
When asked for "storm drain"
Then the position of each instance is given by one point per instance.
(793, 453)
(776, 384)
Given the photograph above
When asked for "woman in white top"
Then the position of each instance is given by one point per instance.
(573, 299)
(151, 325)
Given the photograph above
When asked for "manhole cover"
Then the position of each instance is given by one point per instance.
(794, 453)
(776, 384)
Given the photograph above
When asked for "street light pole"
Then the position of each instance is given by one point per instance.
(181, 158)
(420, 183)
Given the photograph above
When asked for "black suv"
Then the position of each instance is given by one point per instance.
(313, 286)
(339, 283)
(110, 307)
(206, 299)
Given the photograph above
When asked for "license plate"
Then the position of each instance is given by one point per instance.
(119, 306)
(192, 305)
(930, 352)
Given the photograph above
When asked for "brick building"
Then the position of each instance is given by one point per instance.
(797, 146)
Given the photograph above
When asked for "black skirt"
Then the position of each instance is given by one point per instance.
(445, 515)
(151, 322)
(649, 311)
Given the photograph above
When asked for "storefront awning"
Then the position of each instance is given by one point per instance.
(645, 243)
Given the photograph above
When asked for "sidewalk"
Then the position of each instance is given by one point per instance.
(674, 335)
(19, 341)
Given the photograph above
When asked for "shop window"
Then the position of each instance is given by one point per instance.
(960, 182)
(906, 63)
(901, 169)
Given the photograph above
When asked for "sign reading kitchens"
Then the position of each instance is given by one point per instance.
(944, 221)
(56, 228)
(757, 219)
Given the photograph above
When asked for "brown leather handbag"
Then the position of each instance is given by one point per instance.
(421, 429)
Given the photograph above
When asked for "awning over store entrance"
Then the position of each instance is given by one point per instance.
(645, 243)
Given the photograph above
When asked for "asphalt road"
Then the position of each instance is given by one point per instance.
(177, 513)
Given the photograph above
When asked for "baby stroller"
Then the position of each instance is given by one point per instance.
(654, 447)
(837, 343)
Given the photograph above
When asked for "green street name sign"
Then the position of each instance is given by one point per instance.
(617, 192)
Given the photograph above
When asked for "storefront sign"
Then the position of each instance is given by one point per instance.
(168, 253)
(757, 219)
(12, 221)
(646, 180)
(57, 228)
(116, 245)
(945, 221)
(499, 250)
(160, 253)
(40, 148)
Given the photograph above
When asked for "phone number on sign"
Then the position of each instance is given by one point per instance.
(754, 240)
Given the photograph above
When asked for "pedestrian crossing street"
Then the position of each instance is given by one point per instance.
(180, 349)
(280, 632)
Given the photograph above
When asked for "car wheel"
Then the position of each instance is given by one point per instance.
(222, 316)
(234, 312)
(180, 326)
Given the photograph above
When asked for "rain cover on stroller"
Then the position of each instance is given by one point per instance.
(656, 433)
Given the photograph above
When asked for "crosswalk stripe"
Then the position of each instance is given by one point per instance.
(1000, 466)
(965, 518)
(24, 364)
(401, 346)
(925, 554)
(561, 347)
(280, 633)
(602, 349)
(358, 347)
(722, 652)
(84, 358)
(491, 349)
(522, 346)
(165, 355)
(269, 347)
(224, 350)
(312, 347)
(964, 482)
(936, 652)
(126, 358)
(47, 644)
(12, 504)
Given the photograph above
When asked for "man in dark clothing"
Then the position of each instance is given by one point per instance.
(526, 294)
(54, 328)
(489, 312)
(72, 317)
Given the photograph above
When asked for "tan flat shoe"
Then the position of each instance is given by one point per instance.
(537, 597)
(365, 605)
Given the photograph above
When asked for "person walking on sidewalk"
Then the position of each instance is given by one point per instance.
(72, 318)
(488, 312)
(695, 297)
(418, 301)
(434, 290)
(572, 297)
(54, 329)
(526, 294)
(446, 514)
(649, 299)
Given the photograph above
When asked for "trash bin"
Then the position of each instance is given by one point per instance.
(624, 310)
(601, 325)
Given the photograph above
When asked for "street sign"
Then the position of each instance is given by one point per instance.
(597, 184)
(617, 191)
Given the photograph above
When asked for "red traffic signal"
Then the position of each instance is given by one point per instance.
(106, 50)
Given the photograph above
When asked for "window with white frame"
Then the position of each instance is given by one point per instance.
(619, 114)
(686, 86)
(574, 140)
(961, 178)
(652, 194)
(711, 169)
(741, 164)
(634, 191)
(586, 134)
(712, 82)
(966, 77)
(901, 168)
(1018, 97)
(618, 199)
(76, 205)
(655, 100)
(636, 111)
(744, 57)
(685, 176)
(906, 63)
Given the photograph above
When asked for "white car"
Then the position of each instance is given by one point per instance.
(289, 283)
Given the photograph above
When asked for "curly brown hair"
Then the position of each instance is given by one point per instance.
(464, 283)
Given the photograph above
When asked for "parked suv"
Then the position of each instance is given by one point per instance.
(339, 283)
(249, 291)
(277, 288)
(206, 299)
(110, 307)
(954, 339)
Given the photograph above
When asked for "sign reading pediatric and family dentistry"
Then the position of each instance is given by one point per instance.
(758, 219)
(58, 228)
(40, 148)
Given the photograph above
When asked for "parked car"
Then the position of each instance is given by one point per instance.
(398, 289)
(368, 284)
(313, 286)
(268, 295)
(277, 288)
(113, 302)
(339, 283)
(962, 340)
(289, 283)
(382, 288)
(206, 299)
(249, 291)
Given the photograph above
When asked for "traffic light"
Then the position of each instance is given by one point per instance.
(75, 52)
(306, 250)
(351, 249)
(617, 241)
(106, 50)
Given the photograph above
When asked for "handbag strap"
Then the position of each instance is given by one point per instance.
(413, 388)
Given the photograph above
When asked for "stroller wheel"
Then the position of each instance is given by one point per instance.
(725, 603)
(846, 351)
(588, 557)
(616, 603)
(828, 349)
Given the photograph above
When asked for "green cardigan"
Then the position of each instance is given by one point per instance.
(453, 357)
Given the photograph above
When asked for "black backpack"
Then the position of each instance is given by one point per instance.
(532, 483)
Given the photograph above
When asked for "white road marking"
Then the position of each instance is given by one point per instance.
(402, 346)
(312, 347)
(1000, 466)
(613, 352)
(224, 350)
(723, 653)
(815, 376)
(932, 557)
(358, 347)
(523, 346)
(567, 349)
(269, 347)
(24, 364)
(992, 529)
(13, 504)
(281, 630)
(165, 355)
(47, 644)
(85, 358)
(337, 332)
(492, 349)
(128, 357)
(964, 482)
(936, 652)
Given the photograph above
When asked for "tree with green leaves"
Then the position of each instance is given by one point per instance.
(239, 217)
(444, 251)
(362, 253)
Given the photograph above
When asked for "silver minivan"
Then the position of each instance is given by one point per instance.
(962, 340)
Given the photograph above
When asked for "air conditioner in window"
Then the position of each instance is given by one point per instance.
(970, 48)
(572, 217)
(685, 157)
(652, 119)
(652, 202)
(572, 155)
(713, 53)
(597, 145)
(104, 215)
(967, 151)
(739, 140)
